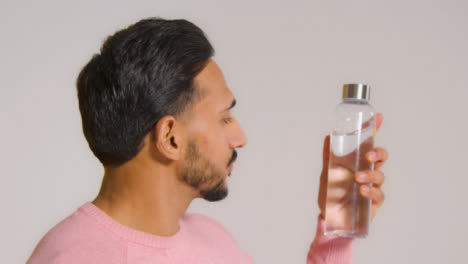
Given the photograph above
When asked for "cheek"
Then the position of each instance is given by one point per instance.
(211, 137)
(205, 142)
(215, 146)
(214, 142)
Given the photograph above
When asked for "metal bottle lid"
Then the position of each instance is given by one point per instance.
(358, 91)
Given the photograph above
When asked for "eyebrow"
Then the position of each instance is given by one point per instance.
(232, 105)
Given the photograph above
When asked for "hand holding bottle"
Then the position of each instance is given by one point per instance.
(338, 180)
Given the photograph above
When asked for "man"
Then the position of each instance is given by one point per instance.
(155, 111)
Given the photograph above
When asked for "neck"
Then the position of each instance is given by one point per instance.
(147, 198)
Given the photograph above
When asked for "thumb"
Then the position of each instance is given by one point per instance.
(379, 120)
(326, 153)
(324, 177)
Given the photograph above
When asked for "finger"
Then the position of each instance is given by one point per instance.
(378, 120)
(374, 193)
(377, 155)
(378, 164)
(375, 177)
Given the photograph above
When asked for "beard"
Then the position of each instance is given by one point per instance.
(203, 175)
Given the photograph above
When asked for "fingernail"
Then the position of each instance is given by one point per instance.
(363, 176)
(365, 189)
(372, 155)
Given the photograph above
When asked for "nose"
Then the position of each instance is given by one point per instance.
(238, 138)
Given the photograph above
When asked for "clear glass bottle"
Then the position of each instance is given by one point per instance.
(347, 212)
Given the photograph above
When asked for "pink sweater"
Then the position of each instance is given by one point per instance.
(90, 236)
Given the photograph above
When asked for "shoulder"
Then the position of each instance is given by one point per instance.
(204, 233)
(75, 239)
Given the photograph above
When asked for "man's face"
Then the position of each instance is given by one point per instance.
(212, 136)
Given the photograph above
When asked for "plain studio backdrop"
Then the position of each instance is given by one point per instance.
(285, 62)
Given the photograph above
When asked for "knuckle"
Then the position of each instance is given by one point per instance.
(377, 176)
(384, 153)
(380, 174)
(381, 153)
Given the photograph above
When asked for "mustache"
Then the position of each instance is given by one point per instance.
(233, 158)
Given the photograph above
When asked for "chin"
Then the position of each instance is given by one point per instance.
(216, 193)
(215, 197)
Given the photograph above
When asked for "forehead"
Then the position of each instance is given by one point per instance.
(212, 87)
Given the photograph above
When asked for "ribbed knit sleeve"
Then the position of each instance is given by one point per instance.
(329, 249)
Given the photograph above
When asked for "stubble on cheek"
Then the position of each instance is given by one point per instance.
(198, 172)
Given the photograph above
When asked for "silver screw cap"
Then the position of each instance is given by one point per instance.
(358, 91)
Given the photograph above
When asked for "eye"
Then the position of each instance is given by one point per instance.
(227, 120)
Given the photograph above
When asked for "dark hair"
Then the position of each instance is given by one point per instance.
(143, 73)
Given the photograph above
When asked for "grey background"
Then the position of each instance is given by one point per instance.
(285, 61)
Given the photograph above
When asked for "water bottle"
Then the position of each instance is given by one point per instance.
(347, 212)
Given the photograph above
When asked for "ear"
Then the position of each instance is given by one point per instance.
(169, 137)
